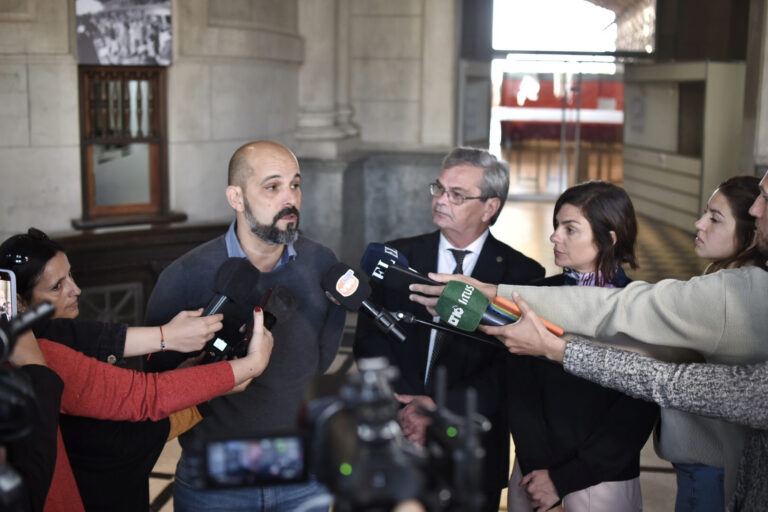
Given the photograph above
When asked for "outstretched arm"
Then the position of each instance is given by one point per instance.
(100, 390)
(736, 393)
(185, 332)
(427, 295)
(715, 313)
(528, 336)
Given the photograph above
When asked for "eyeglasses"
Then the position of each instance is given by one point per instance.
(437, 190)
(16, 258)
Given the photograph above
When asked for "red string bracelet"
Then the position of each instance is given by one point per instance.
(162, 339)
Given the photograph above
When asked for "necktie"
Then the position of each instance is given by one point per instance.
(459, 256)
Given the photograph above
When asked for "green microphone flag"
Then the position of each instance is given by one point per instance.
(461, 305)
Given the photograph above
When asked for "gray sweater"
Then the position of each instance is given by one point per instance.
(720, 316)
(734, 393)
(305, 345)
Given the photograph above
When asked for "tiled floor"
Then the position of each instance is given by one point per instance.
(663, 252)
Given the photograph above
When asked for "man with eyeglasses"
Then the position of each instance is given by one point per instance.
(466, 199)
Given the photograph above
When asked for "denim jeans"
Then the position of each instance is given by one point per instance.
(304, 497)
(699, 488)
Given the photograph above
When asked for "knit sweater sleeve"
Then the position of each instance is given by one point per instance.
(99, 390)
(734, 393)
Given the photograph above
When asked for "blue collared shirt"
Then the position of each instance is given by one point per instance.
(235, 250)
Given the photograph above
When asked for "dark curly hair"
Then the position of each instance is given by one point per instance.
(26, 255)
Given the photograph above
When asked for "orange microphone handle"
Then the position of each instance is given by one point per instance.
(511, 306)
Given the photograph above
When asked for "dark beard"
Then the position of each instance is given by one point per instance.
(270, 233)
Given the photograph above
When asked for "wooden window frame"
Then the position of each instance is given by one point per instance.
(94, 109)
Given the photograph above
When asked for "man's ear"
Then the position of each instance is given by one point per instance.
(613, 236)
(492, 205)
(235, 198)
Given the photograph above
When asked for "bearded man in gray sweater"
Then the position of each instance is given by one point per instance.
(265, 193)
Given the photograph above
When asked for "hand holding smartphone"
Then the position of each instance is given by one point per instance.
(8, 305)
(17, 342)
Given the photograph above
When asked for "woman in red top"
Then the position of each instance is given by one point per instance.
(100, 390)
(111, 460)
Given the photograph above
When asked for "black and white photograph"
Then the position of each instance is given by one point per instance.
(124, 32)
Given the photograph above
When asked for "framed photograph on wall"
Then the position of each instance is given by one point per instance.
(124, 32)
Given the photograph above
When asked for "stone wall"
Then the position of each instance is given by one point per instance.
(234, 79)
(403, 57)
(367, 197)
(386, 196)
(39, 130)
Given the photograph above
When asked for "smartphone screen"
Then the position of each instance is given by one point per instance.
(255, 462)
(7, 293)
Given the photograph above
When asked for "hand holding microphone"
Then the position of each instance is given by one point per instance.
(253, 363)
(278, 306)
(463, 303)
(463, 306)
(529, 335)
(512, 311)
(188, 331)
(235, 290)
(427, 295)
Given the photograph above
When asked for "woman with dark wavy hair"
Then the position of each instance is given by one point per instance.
(575, 441)
(595, 232)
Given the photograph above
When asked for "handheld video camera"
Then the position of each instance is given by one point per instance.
(348, 438)
(17, 399)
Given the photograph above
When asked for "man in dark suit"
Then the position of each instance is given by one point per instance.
(466, 199)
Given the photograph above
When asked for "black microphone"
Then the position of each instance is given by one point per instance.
(235, 281)
(343, 285)
(234, 285)
(278, 306)
(11, 329)
(410, 318)
(388, 267)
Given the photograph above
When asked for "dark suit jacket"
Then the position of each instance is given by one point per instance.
(468, 363)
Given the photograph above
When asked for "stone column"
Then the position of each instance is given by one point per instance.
(344, 111)
(318, 133)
